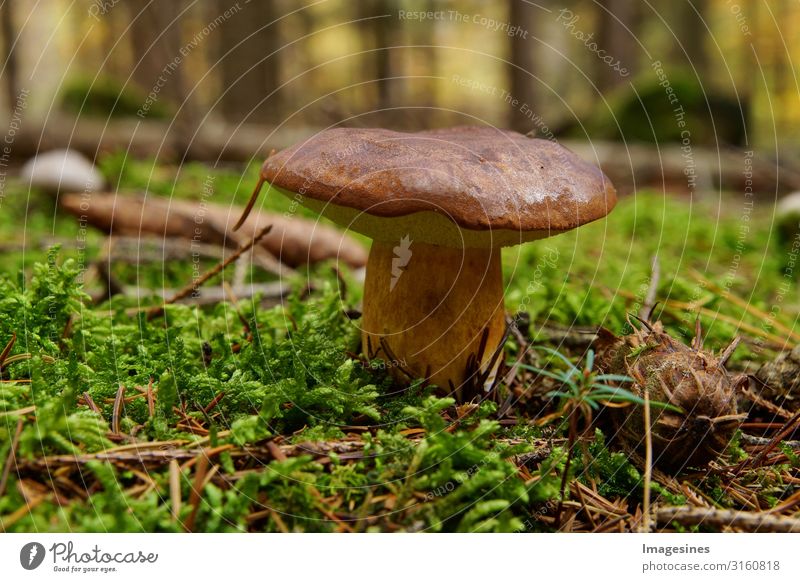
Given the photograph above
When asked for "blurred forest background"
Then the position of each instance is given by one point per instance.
(668, 93)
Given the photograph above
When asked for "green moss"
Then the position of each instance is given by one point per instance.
(418, 462)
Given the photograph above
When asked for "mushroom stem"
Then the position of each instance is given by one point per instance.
(434, 312)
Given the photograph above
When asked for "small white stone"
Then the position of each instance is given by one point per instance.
(62, 171)
(787, 219)
(789, 205)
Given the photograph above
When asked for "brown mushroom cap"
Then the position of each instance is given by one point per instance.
(464, 186)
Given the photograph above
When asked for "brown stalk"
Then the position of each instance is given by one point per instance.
(250, 203)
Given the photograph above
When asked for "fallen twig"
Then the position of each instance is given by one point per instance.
(213, 294)
(749, 521)
(749, 439)
(295, 241)
(154, 454)
(788, 428)
(192, 287)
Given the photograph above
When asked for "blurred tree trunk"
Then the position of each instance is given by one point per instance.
(380, 32)
(523, 64)
(618, 26)
(781, 80)
(252, 69)
(156, 40)
(114, 25)
(10, 72)
(688, 24)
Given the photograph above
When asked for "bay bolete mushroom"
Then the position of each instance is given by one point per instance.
(439, 205)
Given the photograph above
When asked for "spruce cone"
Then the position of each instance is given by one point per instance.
(686, 377)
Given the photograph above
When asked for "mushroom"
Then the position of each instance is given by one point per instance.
(439, 205)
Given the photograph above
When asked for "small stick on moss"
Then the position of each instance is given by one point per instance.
(7, 350)
(151, 402)
(718, 518)
(392, 358)
(197, 487)
(586, 508)
(746, 305)
(276, 451)
(748, 393)
(788, 428)
(162, 452)
(648, 462)
(675, 309)
(649, 302)
(9, 520)
(117, 412)
(175, 488)
(749, 439)
(211, 405)
(89, 401)
(193, 286)
(268, 512)
(11, 459)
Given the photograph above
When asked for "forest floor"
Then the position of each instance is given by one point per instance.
(257, 415)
